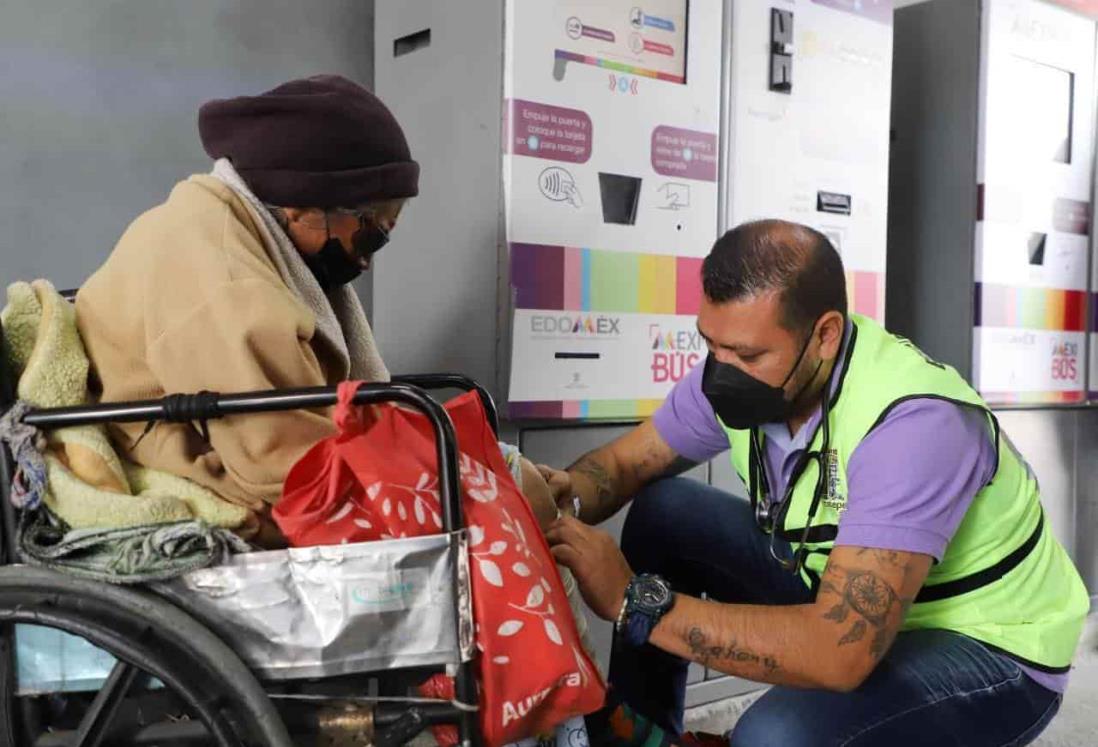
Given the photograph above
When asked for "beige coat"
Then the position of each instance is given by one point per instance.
(189, 300)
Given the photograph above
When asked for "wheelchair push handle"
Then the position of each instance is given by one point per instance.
(455, 381)
(211, 405)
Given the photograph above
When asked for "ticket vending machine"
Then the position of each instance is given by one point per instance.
(993, 164)
(578, 160)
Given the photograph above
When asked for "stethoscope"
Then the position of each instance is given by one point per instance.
(770, 515)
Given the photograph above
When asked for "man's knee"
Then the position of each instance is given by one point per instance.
(651, 519)
(771, 723)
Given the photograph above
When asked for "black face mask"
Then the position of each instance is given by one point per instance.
(332, 267)
(742, 401)
(368, 240)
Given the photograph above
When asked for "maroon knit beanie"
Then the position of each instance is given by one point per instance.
(316, 142)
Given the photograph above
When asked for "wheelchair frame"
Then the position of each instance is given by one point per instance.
(150, 636)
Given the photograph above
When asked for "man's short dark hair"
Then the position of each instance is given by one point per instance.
(773, 255)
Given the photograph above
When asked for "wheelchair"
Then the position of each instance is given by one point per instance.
(173, 673)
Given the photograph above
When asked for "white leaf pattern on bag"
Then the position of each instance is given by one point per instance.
(386, 507)
(498, 548)
(509, 628)
(363, 524)
(373, 490)
(423, 480)
(490, 571)
(552, 631)
(501, 660)
(480, 483)
(437, 518)
(535, 597)
(545, 583)
(421, 515)
(476, 535)
(401, 511)
(342, 512)
(521, 569)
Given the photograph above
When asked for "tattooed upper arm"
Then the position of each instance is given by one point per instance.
(650, 457)
(622, 467)
(865, 594)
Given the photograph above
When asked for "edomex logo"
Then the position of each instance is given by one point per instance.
(674, 352)
(575, 325)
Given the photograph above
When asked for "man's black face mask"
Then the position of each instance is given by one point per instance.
(742, 401)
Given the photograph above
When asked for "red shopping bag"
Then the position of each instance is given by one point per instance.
(378, 479)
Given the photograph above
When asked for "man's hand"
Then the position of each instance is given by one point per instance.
(596, 561)
(606, 479)
(560, 484)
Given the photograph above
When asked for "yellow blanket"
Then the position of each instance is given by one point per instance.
(89, 486)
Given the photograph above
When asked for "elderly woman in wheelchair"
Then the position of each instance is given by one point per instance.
(239, 282)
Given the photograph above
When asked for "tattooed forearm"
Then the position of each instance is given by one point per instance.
(707, 653)
(873, 599)
(596, 473)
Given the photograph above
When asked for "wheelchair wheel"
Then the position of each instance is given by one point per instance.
(208, 696)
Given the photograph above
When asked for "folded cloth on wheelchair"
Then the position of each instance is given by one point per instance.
(129, 555)
(87, 484)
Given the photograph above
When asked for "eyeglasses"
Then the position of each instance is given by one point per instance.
(318, 218)
(358, 213)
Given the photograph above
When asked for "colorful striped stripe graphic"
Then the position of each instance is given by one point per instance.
(1030, 308)
(1033, 398)
(620, 67)
(565, 278)
(592, 409)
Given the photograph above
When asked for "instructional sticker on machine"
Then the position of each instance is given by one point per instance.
(688, 154)
(552, 132)
(1071, 216)
(876, 10)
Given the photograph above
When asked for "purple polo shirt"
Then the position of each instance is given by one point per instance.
(899, 497)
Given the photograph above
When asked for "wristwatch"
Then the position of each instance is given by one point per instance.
(648, 598)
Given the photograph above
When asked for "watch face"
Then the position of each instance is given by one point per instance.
(651, 594)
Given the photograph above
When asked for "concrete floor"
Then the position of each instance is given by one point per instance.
(1076, 725)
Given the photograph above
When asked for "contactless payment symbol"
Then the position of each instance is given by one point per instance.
(558, 184)
(623, 84)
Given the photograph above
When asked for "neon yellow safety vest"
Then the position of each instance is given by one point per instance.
(1004, 579)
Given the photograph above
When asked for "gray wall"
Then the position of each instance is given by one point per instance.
(100, 100)
(436, 293)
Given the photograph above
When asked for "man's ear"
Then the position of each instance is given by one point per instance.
(830, 330)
